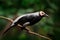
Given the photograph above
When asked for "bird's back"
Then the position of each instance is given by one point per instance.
(32, 18)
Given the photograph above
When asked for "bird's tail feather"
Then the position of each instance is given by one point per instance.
(3, 32)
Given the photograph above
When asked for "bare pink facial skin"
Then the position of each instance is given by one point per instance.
(43, 14)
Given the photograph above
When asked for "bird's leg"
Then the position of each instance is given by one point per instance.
(19, 27)
(25, 25)
(29, 31)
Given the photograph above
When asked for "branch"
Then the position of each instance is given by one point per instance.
(29, 31)
(26, 28)
(6, 18)
(9, 23)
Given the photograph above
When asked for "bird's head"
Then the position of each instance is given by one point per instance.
(43, 14)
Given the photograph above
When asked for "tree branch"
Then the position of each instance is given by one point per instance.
(26, 28)
(6, 18)
(29, 31)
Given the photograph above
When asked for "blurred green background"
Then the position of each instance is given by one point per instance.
(47, 26)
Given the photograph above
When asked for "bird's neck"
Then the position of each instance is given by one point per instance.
(40, 15)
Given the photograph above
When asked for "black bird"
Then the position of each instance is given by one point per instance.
(28, 19)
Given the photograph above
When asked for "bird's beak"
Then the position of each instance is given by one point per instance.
(46, 15)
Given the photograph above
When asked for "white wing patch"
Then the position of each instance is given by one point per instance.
(17, 19)
(34, 14)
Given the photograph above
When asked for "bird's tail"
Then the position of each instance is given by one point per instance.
(3, 32)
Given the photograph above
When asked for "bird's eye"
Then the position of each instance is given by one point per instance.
(42, 13)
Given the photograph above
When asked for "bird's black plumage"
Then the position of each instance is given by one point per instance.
(32, 18)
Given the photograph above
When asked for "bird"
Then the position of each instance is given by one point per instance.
(27, 19)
